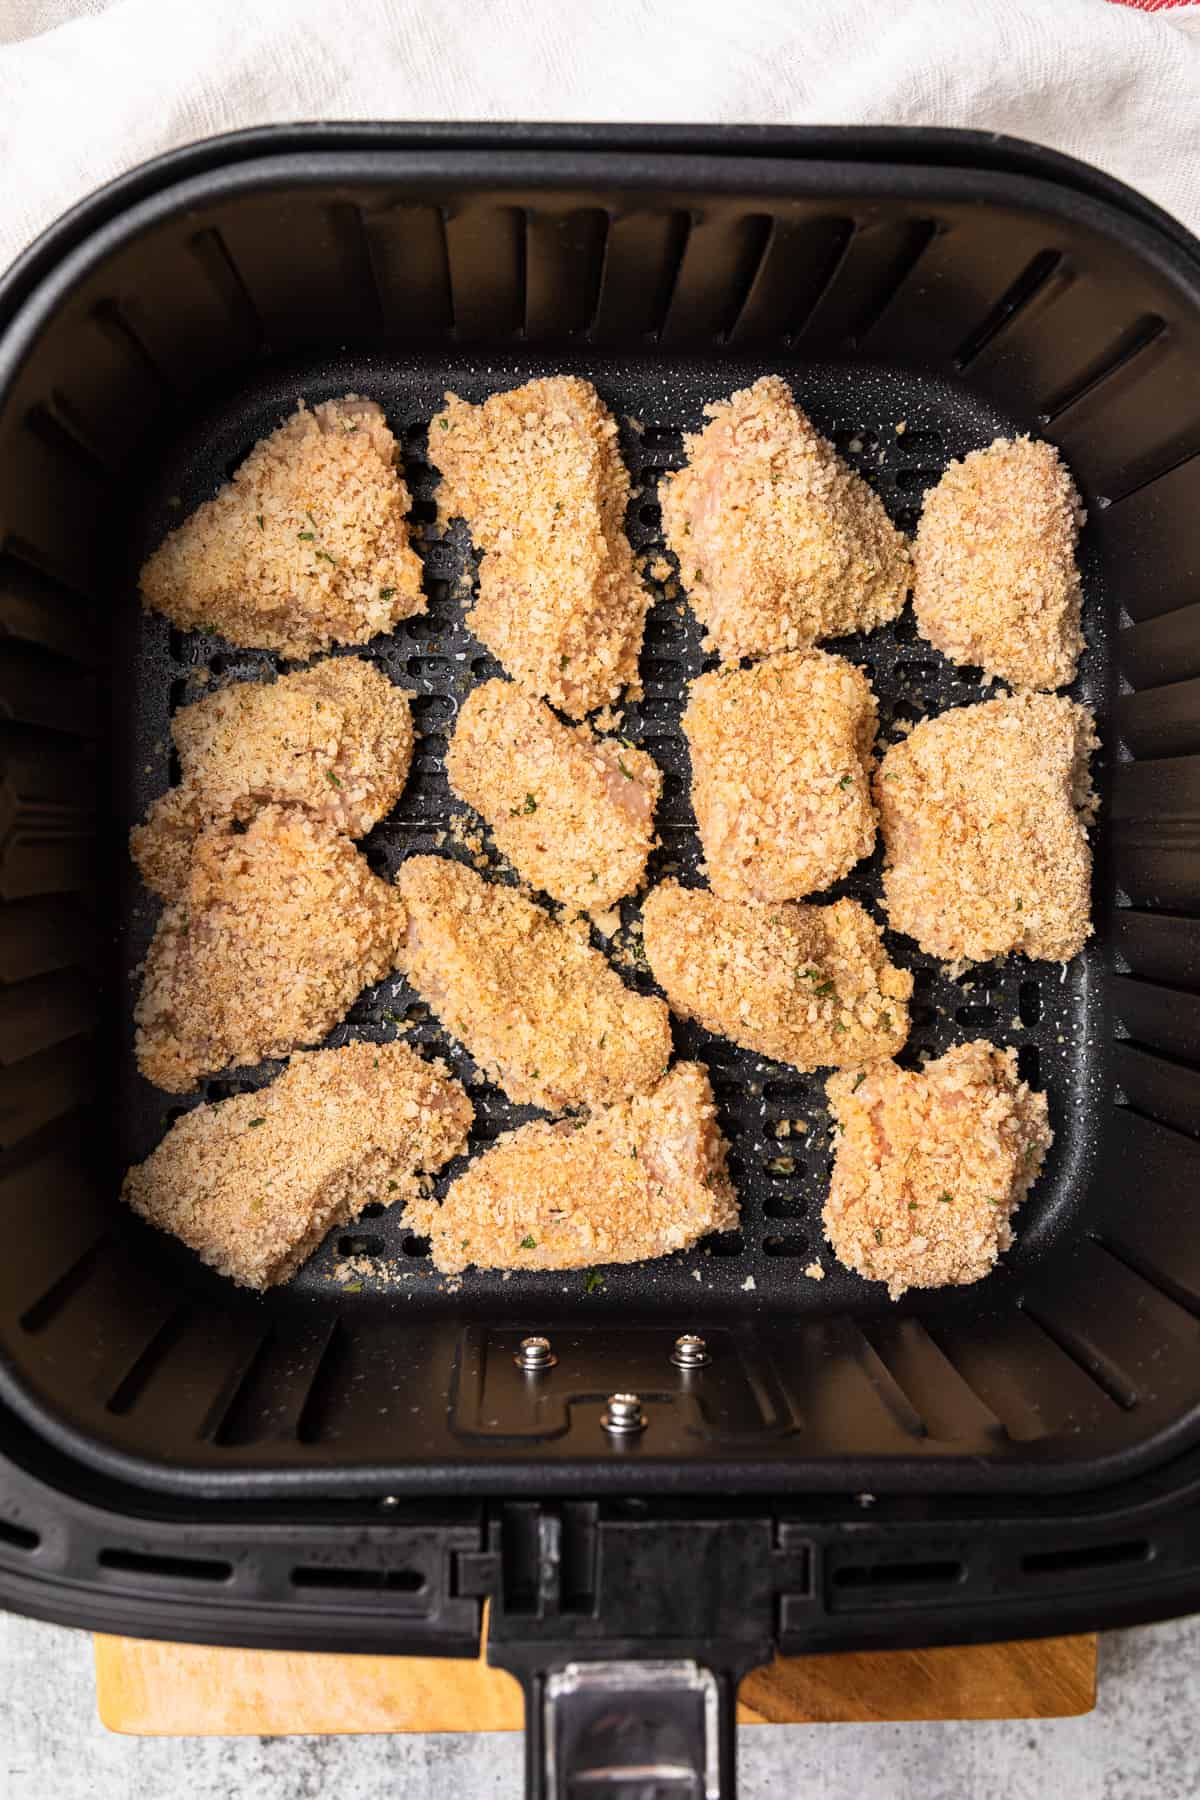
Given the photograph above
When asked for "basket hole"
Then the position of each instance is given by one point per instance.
(428, 668)
(905, 628)
(785, 1246)
(360, 1246)
(969, 675)
(782, 1167)
(414, 1246)
(18, 1537)
(650, 514)
(1091, 1556)
(374, 1209)
(1029, 1062)
(423, 512)
(976, 1015)
(917, 480)
(1029, 1003)
(724, 1243)
(485, 668)
(784, 1206)
(168, 1568)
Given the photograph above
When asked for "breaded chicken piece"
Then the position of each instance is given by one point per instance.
(307, 546)
(252, 1184)
(573, 812)
(277, 930)
(335, 739)
(995, 580)
(538, 477)
(636, 1180)
(539, 1010)
(780, 543)
(930, 1166)
(807, 985)
(780, 765)
(984, 813)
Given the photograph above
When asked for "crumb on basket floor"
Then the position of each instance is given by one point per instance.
(307, 546)
(573, 812)
(806, 985)
(984, 812)
(277, 930)
(779, 542)
(537, 475)
(253, 1183)
(335, 739)
(780, 773)
(535, 1005)
(929, 1167)
(636, 1180)
(995, 579)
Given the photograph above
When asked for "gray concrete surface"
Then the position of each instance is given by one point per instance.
(1143, 1740)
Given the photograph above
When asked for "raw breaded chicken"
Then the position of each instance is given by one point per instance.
(540, 1011)
(276, 931)
(995, 580)
(984, 812)
(780, 762)
(636, 1180)
(252, 1184)
(538, 477)
(573, 812)
(930, 1166)
(779, 542)
(807, 985)
(307, 546)
(335, 739)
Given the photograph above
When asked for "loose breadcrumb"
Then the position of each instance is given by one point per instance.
(307, 546)
(573, 812)
(639, 1179)
(806, 985)
(814, 1271)
(780, 543)
(780, 765)
(995, 579)
(984, 813)
(930, 1167)
(335, 739)
(253, 1183)
(535, 1005)
(537, 475)
(276, 930)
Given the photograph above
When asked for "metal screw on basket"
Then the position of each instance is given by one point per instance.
(534, 1354)
(624, 1415)
(690, 1352)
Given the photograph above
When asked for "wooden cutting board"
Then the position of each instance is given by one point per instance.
(196, 1691)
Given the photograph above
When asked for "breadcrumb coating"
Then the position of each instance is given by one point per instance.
(780, 542)
(540, 1011)
(538, 477)
(277, 929)
(807, 985)
(573, 812)
(335, 739)
(930, 1167)
(307, 546)
(780, 774)
(636, 1180)
(995, 579)
(252, 1184)
(984, 812)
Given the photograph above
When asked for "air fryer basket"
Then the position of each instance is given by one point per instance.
(922, 292)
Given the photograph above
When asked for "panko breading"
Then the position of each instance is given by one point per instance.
(252, 1184)
(637, 1180)
(984, 812)
(539, 1010)
(573, 812)
(807, 985)
(780, 764)
(995, 580)
(307, 546)
(780, 543)
(930, 1167)
(277, 930)
(538, 477)
(335, 739)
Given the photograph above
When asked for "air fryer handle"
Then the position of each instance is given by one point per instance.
(629, 1729)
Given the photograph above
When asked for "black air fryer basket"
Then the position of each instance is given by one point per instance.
(361, 1465)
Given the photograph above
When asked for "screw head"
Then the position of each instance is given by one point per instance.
(624, 1415)
(533, 1354)
(690, 1352)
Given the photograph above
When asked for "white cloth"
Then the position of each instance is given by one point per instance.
(90, 87)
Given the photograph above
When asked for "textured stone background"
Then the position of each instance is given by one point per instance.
(1142, 1741)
